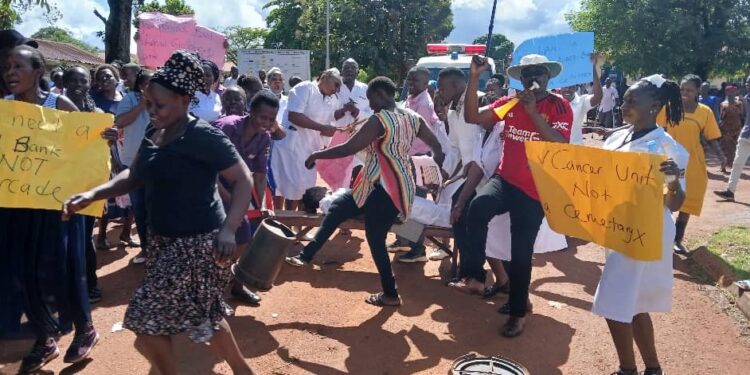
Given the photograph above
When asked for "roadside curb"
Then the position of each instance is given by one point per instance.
(722, 275)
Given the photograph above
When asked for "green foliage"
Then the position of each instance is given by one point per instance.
(500, 49)
(11, 11)
(57, 34)
(244, 38)
(172, 7)
(733, 246)
(673, 37)
(381, 35)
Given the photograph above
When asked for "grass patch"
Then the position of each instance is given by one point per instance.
(733, 245)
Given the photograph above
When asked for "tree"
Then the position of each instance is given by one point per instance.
(117, 30)
(11, 11)
(243, 38)
(57, 34)
(673, 37)
(381, 35)
(500, 49)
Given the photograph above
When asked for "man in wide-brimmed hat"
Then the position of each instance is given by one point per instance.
(535, 115)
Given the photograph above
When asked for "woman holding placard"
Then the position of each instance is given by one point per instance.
(630, 289)
(43, 256)
(698, 123)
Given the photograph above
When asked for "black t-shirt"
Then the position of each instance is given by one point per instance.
(180, 178)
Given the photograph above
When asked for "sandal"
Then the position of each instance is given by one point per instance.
(464, 286)
(513, 327)
(505, 308)
(378, 300)
(493, 290)
(245, 295)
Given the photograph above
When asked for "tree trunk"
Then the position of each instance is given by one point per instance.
(117, 31)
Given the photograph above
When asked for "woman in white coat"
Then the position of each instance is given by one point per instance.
(308, 118)
(630, 289)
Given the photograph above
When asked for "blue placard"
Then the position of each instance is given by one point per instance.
(573, 50)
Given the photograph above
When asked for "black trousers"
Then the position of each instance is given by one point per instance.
(498, 197)
(380, 213)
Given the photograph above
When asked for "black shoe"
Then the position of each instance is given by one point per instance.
(81, 347)
(726, 194)
(95, 295)
(42, 352)
(413, 256)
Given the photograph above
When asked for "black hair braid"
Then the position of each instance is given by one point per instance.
(669, 95)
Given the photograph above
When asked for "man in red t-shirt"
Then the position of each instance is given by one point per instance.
(537, 116)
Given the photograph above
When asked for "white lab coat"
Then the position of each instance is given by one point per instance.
(629, 287)
(290, 153)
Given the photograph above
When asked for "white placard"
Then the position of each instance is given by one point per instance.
(292, 62)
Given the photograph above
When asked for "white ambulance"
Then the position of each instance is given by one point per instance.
(455, 55)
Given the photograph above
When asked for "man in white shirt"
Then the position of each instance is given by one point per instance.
(353, 103)
(609, 99)
(465, 138)
(231, 81)
(582, 104)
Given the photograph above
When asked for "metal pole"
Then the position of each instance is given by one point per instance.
(328, 34)
(492, 25)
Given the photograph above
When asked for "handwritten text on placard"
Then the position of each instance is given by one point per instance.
(614, 199)
(161, 34)
(48, 155)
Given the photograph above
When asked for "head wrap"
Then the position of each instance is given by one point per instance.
(182, 73)
(731, 88)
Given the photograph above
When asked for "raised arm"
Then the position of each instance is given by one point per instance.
(369, 132)
(472, 113)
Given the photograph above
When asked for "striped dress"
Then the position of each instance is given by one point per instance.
(388, 161)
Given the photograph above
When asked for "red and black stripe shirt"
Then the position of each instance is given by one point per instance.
(519, 128)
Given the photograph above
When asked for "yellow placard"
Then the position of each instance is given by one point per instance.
(48, 155)
(614, 199)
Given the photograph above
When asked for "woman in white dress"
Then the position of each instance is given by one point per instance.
(208, 106)
(310, 108)
(630, 289)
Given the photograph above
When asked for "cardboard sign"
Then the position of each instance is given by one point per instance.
(572, 50)
(614, 199)
(161, 34)
(47, 155)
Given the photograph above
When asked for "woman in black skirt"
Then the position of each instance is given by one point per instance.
(191, 238)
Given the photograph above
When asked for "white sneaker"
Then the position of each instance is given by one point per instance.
(438, 254)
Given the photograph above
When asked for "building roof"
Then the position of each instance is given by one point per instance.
(67, 53)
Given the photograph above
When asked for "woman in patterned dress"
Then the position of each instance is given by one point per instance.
(191, 238)
(384, 189)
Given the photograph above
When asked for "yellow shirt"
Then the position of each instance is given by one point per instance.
(688, 133)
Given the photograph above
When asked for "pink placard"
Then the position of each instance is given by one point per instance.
(161, 34)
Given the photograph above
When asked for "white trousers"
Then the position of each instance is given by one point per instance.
(740, 159)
